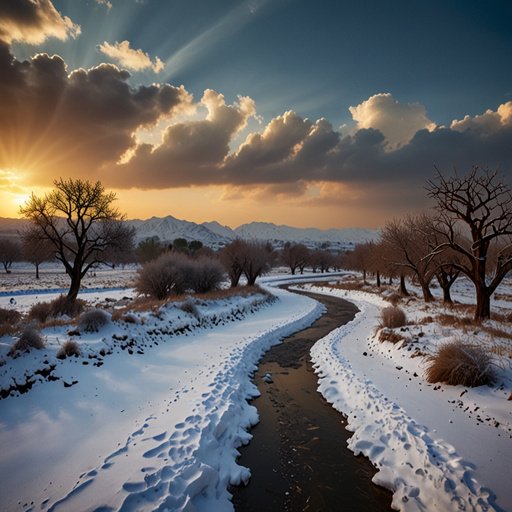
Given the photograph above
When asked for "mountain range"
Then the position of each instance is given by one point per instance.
(216, 235)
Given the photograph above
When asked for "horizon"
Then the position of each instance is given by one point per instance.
(326, 116)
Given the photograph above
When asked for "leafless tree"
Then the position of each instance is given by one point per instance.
(475, 215)
(232, 257)
(408, 239)
(10, 252)
(36, 248)
(149, 249)
(295, 256)
(79, 219)
(257, 259)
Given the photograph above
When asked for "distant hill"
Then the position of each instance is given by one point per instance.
(216, 235)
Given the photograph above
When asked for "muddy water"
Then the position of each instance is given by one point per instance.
(298, 456)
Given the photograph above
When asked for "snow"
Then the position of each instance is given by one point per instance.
(151, 415)
(430, 445)
(157, 430)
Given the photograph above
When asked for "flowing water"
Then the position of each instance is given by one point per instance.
(298, 457)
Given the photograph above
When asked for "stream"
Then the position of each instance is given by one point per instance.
(298, 456)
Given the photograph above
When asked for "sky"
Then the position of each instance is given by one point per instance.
(299, 112)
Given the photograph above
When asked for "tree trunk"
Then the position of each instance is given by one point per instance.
(364, 276)
(447, 298)
(403, 289)
(293, 270)
(37, 270)
(483, 304)
(390, 282)
(74, 288)
(427, 294)
(378, 279)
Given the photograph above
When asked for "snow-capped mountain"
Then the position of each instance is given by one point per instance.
(216, 235)
(309, 236)
(169, 228)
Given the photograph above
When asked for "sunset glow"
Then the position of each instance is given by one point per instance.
(193, 114)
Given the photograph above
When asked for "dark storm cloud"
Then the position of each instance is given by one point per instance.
(59, 123)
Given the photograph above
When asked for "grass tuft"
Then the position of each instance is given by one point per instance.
(457, 363)
(29, 338)
(93, 320)
(68, 348)
(393, 317)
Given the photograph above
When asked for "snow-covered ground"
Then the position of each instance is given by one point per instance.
(437, 447)
(156, 428)
(151, 415)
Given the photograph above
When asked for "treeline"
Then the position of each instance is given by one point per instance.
(468, 233)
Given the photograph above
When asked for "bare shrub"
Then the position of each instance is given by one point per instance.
(9, 319)
(189, 306)
(389, 335)
(457, 363)
(30, 338)
(119, 315)
(61, 306)
(393, 317)
(161, 277)
(207, 275)
(93, 320)
(9, 316)
(40, 311)
(68, 348)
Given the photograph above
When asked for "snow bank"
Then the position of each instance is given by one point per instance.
(401, 427)
(152, 431)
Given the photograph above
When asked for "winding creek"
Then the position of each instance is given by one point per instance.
(298, 457)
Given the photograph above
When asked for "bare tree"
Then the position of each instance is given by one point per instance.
(475, 215)
(257, 259)
(295, 256)
(232, 257)
(408, 242)
(10, 252)
(80, 221)
(36, 248)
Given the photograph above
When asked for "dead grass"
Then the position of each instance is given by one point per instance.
(93, 320)
(189, 307)
(29, 338)
(457, 363)
(42, 312)
(68, 348)
(504, 318)
(389, 335)
(458, 321)
(393, 317)
(9, 319)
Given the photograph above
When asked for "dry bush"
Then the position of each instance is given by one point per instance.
(9, 316)
(9, 319)
(455, 321)
(188, 306)
(458, 363)
(348, 285)
(68, 348)
(42, 311)
(206, 275)
(93, 320)
(393, 317)
(30, 338)
(389, 335)
(60, 307)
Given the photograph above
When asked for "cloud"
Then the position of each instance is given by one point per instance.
(398, 122)
(487, 123)
(33, 21)
(55, 123)
(191, 152)
(135, 60)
